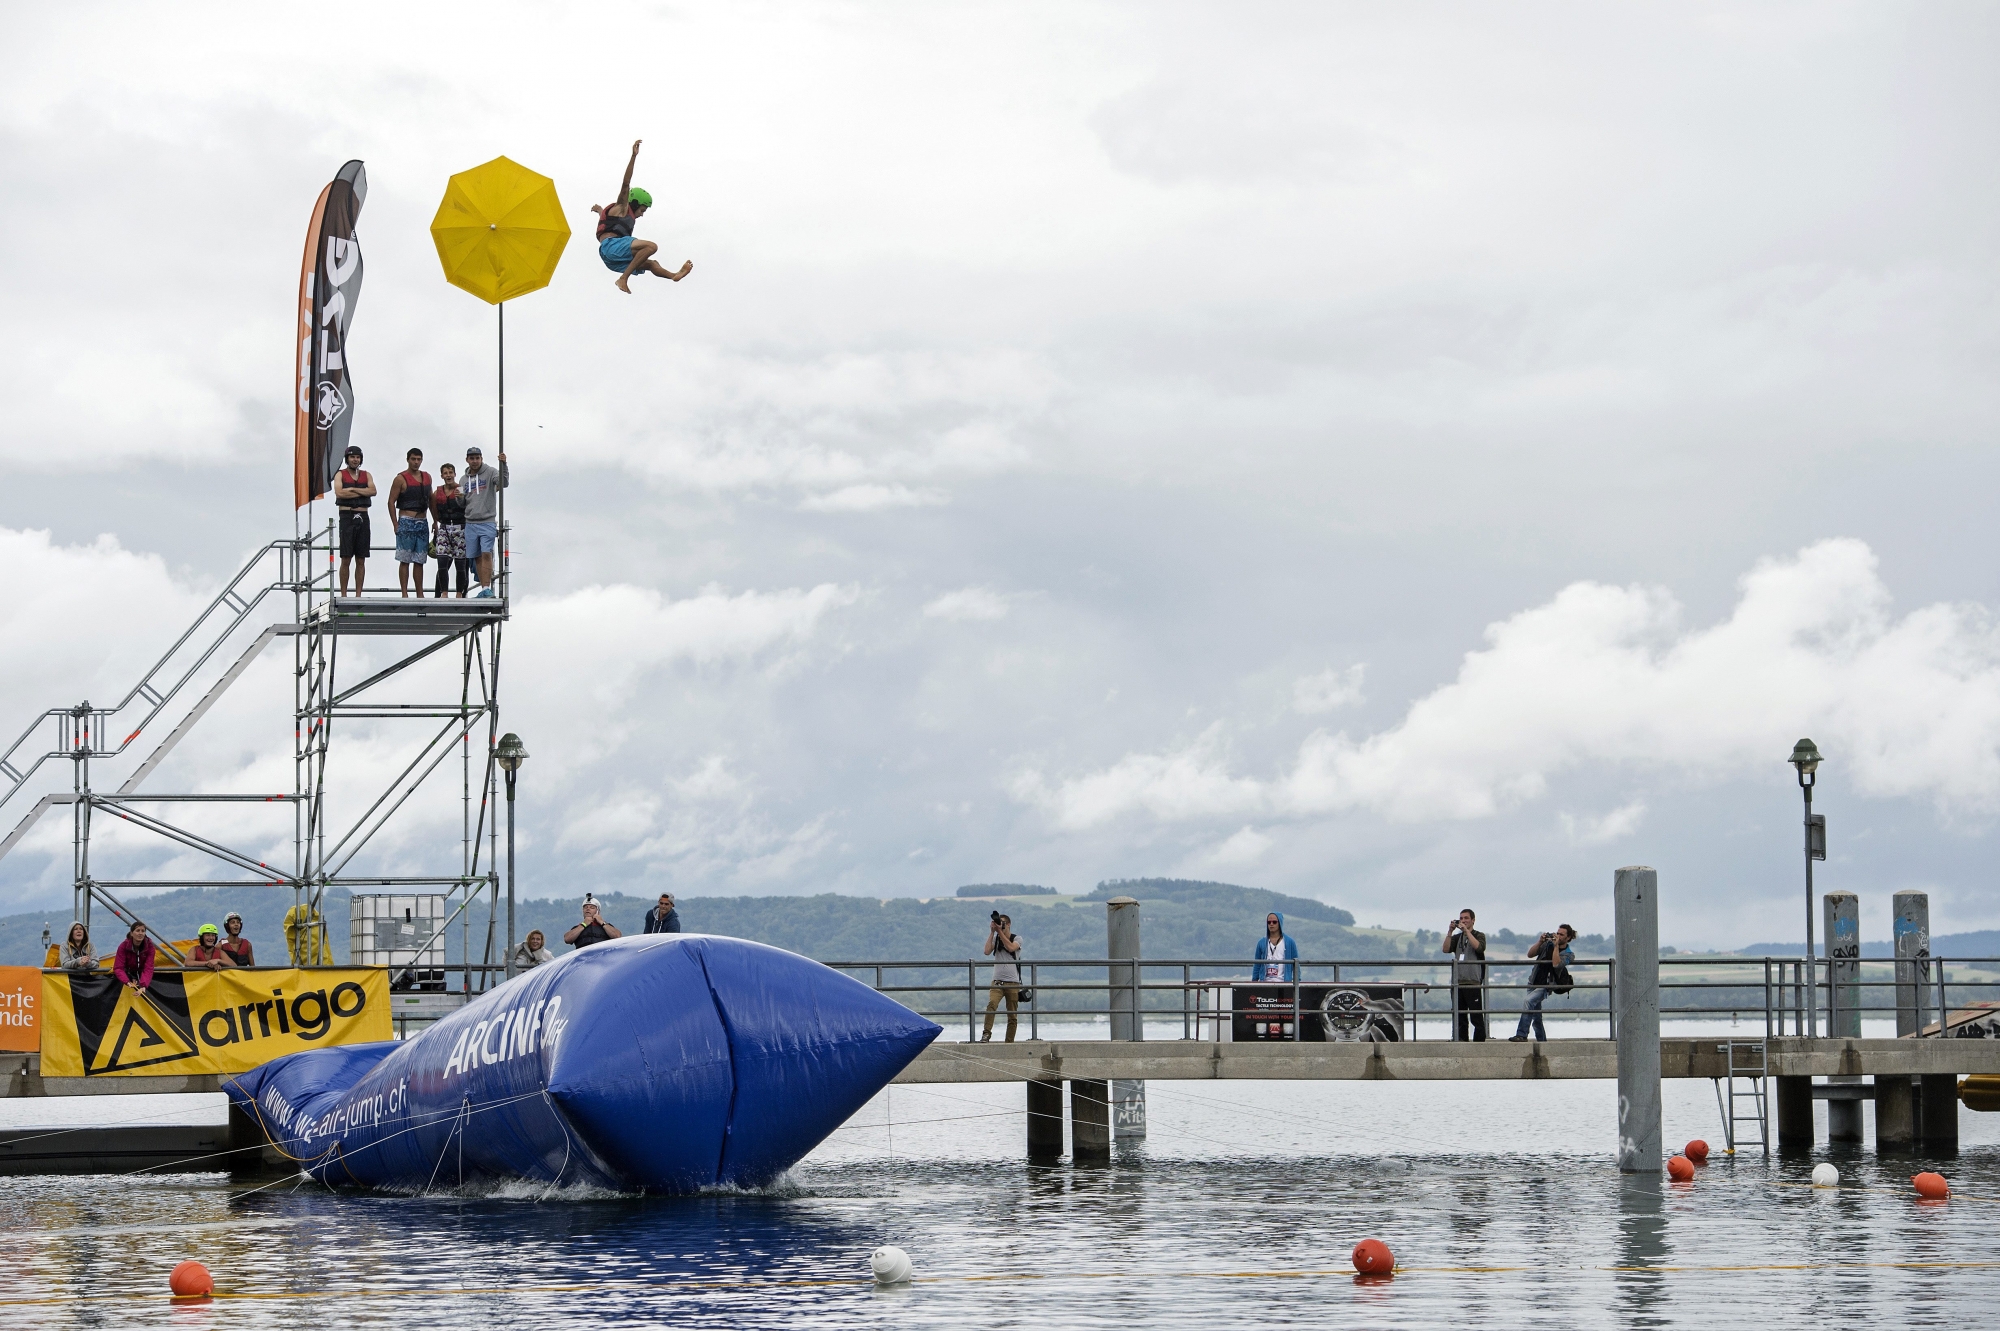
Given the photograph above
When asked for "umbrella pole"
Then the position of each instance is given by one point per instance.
(499, 558)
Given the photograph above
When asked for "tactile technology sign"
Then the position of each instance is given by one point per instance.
(20, 1008)
(194, 1023)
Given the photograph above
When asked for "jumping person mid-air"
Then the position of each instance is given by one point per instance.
(621, 253)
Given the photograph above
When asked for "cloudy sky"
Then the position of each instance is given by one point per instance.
(1410, 456)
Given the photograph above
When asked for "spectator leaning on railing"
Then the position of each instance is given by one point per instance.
(1552, 957)
(76, 951)
(234, 943)
(532, 952)
(207, 952)
(134, 963)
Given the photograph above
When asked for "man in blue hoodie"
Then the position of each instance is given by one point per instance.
(1274, 949)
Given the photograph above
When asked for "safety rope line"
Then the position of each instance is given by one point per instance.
(700, 1285)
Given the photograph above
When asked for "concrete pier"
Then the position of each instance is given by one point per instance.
(1899, 1100)
(1937, 1112)
(1090, 1119)
(1635, 1002)
(1121, 937)
(1841, 912)
(1045, 1118)
(1795, 1114)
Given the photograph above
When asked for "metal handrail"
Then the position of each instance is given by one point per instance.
(1780, 988)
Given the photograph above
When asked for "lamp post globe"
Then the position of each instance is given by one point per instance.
(509, 754)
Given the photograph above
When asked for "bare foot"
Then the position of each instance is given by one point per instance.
(687, 266)
(620, 283)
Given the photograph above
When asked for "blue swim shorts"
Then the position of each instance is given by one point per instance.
(616, 251)
(481, 538)
(413, 539)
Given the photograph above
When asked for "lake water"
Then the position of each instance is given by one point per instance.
(1240, 1207)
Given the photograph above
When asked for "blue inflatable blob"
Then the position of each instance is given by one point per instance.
(667, 1063)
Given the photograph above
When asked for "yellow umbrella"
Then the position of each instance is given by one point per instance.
(500, 230)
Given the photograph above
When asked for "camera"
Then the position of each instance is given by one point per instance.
(996, 917)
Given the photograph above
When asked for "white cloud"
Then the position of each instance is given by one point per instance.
(1327, 691)
(1607, 677)
(1244, 847)
(871, 497)
(968, 603)
(1604, 828)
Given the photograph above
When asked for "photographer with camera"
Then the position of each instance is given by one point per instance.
(1005, 949)
(1552, 957)
(1468, 973)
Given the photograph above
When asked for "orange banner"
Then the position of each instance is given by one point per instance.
(20, 1009)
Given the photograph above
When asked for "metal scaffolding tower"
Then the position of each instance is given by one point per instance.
(327, 836)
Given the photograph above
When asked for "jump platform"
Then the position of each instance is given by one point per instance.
(383, 616)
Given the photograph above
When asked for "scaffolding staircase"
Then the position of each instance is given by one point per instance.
(240, 618)
(1744, 1106)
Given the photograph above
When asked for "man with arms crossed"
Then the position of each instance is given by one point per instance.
(352, 489)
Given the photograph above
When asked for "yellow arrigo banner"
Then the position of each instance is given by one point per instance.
(193, 1023)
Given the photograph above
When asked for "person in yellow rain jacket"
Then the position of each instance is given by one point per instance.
(305, 937)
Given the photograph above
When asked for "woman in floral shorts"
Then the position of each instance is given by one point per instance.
(448, 533)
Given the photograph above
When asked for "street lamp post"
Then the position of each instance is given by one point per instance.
(510, 754)
(1805, 757)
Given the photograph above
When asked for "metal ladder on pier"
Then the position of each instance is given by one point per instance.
(1746, 1064)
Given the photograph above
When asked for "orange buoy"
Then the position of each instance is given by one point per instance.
(1373, 1258)
(191, 1280)
(1697, 1151)
(1680, 1169)
(1931, 1187)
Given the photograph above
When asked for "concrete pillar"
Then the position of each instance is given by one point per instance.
(1937, 1116)
(1896, 1109)
(1913, 949)
(1045, 1119)
(1795, 1113)
(1841, 913)
(1121, 939)
(1636, 998)
(1089, 1120)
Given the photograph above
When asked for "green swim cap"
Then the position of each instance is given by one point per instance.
(640, 197)
(207, 929)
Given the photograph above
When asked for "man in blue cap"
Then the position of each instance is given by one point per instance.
(621, 253)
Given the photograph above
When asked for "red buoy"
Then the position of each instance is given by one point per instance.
(1931, 1187)
(191, 1280)
(1680, 1169)
(1373, 1258)
(1697, 1151)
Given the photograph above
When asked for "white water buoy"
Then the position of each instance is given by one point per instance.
(890, 1264)
(1825, 1176)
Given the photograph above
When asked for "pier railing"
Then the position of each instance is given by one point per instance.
(1385, 999)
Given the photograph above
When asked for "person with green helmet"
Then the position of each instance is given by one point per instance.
(621, 253)
(207, 953)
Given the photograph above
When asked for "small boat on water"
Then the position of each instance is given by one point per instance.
(662, 1063)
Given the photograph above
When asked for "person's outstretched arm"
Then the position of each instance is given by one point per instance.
(625, 185)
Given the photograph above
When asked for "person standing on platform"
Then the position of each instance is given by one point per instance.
(1550, 953)
(663, 918)
(481, 486)
(1005, 949)
(234, 943)
(593, 929)
(76, 950)
(1468, 973)
(133, 966)
(448, 537)
(1274, 951)
(410, 502)
(352, 489)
